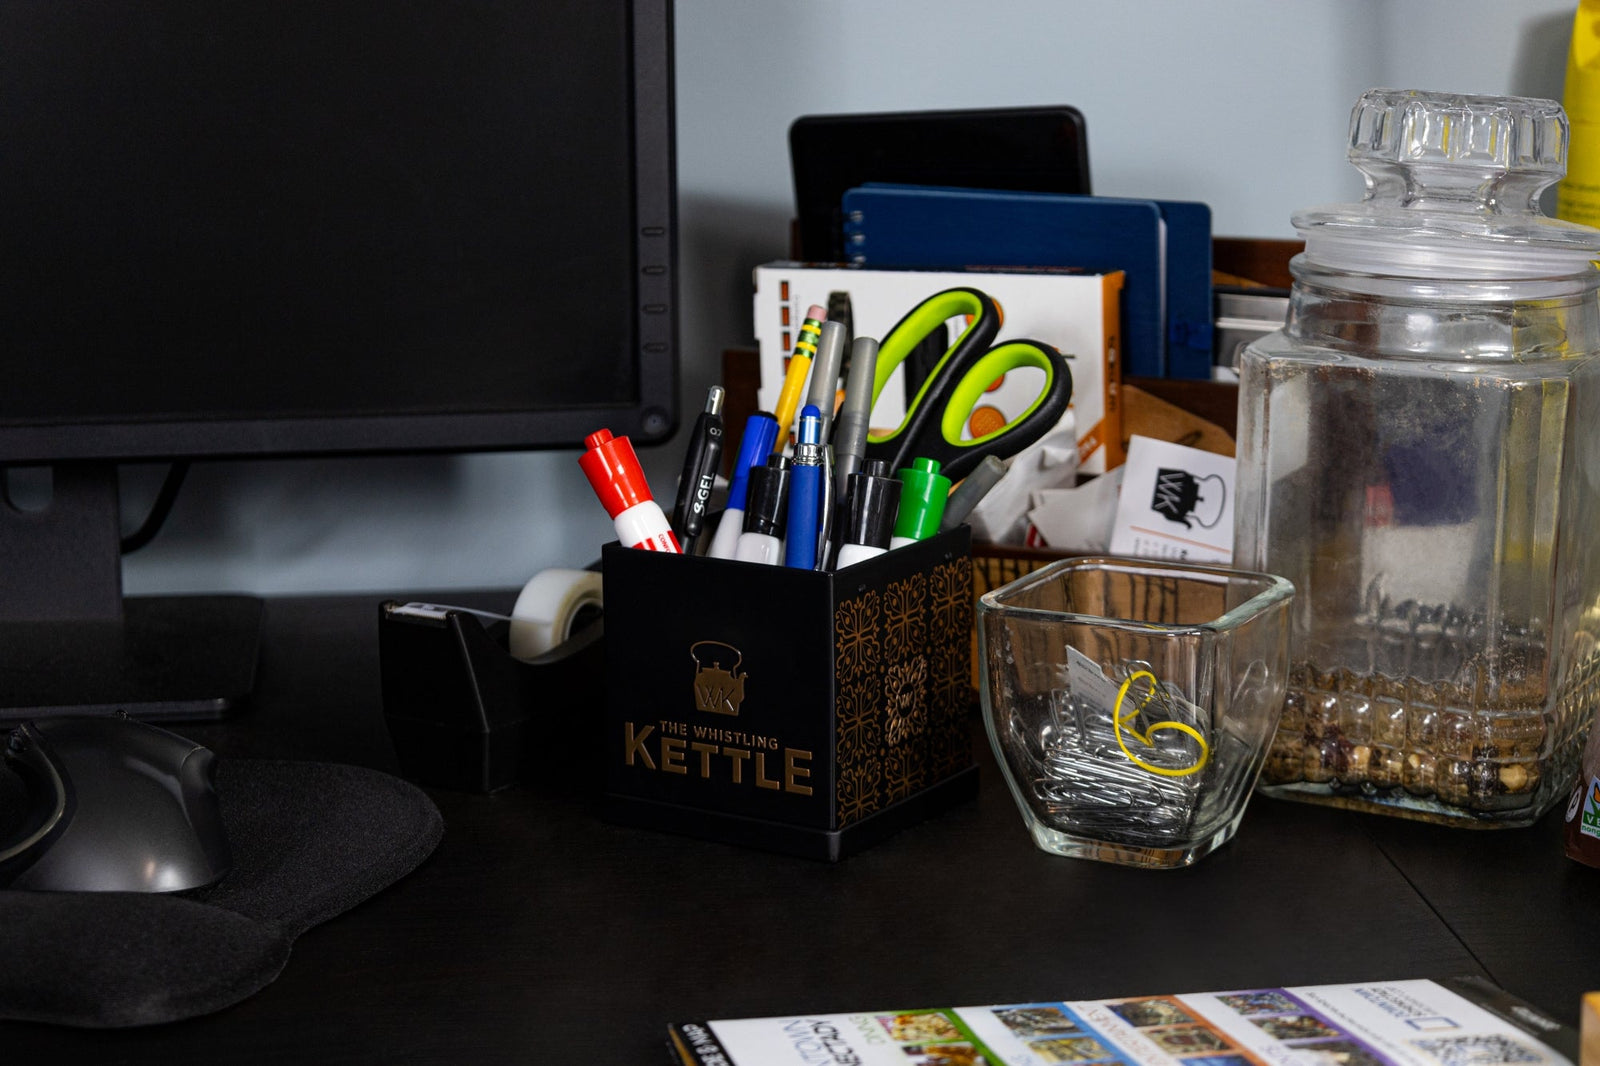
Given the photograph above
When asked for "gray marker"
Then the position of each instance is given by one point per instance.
(824, 390)
(850, 435)
(973, 488)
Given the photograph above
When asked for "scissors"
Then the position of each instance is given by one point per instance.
(939, 412)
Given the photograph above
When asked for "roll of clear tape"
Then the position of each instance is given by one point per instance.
(547, 607)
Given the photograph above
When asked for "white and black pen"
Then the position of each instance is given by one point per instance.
(870, 507)
(766, 513)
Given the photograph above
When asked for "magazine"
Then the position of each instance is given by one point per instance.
(1460, 1022)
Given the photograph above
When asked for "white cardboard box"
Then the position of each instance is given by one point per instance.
(1073, 312)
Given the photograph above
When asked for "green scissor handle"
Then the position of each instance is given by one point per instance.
(938, 414)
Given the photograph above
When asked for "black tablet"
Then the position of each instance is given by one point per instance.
(1030, 149)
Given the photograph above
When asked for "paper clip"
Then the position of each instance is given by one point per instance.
(1120, 721)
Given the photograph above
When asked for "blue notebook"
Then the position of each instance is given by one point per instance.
(1163, 248)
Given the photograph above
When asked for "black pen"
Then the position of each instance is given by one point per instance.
(699, 472)
(870, 508)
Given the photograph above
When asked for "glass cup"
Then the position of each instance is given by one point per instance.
(1131, 702)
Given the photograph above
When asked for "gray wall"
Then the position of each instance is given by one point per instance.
(1240, 103)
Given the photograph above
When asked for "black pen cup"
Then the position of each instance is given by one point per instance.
(798, 711)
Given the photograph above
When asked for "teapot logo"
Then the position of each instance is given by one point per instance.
(1179, 498)
(717, 688)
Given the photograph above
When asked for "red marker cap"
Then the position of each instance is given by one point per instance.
(613, 469)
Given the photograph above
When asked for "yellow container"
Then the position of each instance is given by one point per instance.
(1578, 196)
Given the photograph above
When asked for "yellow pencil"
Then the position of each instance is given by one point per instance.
(794, 379)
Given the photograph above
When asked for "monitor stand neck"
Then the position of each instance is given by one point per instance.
(70, 642)
(62, 561)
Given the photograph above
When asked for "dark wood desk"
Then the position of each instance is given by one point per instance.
(538, 933)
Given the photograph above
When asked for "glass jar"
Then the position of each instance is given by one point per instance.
(1130, 702)
(1419, 453)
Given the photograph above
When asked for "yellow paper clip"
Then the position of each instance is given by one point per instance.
(1119, 721)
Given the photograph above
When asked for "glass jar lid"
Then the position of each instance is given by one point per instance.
(1453, 186)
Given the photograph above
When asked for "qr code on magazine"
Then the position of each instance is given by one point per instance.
(1490, 1050)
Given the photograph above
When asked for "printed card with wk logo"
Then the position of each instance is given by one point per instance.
(1176, 503)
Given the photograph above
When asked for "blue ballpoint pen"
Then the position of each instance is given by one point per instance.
(805, 493)
(760, 432)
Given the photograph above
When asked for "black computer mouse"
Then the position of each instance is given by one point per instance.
(109, 804)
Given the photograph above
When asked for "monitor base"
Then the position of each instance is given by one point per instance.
(170, 658)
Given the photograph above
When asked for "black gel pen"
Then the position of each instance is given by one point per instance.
(699, 472)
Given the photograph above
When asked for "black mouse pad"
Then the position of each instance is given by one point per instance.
(309, 841)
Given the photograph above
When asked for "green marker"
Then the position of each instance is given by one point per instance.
(922, 494)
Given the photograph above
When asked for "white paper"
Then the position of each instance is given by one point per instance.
(1078, 518)
(1001, 517)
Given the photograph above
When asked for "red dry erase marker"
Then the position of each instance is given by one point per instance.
(613, 469)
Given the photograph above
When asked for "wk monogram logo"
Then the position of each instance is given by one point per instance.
(718, 689)
(1179, 497)
(906, 714)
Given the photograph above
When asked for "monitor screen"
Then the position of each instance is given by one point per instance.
(235, 228)
(277, 227)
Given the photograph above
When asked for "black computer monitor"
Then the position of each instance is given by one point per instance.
(247, 228)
